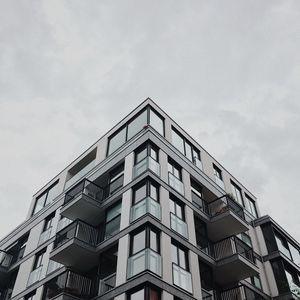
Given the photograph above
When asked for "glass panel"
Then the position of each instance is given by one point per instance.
(139, 156)
(117, 141)
(113, 212)
(179, 226)
(34, 276)
(45, 236)
(220, 183)
(138, 242)
(156, 122)
(137, 295)
(112, 227)
(178, 141)
(52, 193)
(182, 259)
(174, 254)
(182, 278)
(188, 151)
(40, 203)
(153, 192)
(140, 193)
(53, 266)
(153, 241)
(153, 153)
(282, 247)
(176, 184)
(137, 124)
(147, 205)
(295, 254)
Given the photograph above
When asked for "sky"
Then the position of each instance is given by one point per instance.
(227, 71)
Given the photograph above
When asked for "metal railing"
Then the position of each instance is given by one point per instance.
(231, 246)
(5, 259)
(176, 184)
(106, 284)
(78, 230)
(179, 225)
(148, 163)
(224, 204)
(182, 278)
(241, 292)
(45, 236)
(85, 187)
(34, 276)
(147, 205)
(146, 259)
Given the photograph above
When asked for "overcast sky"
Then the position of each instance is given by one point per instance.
(226, 71)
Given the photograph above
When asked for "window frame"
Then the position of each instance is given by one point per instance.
(148, 183)
(148, 146)
(184, 251)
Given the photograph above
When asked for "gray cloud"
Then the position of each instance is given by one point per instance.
(227, 72)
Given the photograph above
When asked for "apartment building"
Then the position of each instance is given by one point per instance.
(147, 213)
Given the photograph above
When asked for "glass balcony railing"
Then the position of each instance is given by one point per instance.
(34, 276)
(147, 205)
(45, 236)
(182, 278)
(241, 292)
(53, 266)
(148, 163)
(146, 259)
(80, 174)
(179, 225)
(230, 246)
(5, 259)
(106, 284)
(78, 230)
(224, 204)
(87, 188)
(176, 184)
(219, 182)
(294, 288)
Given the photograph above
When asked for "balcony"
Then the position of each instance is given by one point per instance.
(146, 259)
(241, 292)
(83, 202)
(179, 225)
(145, 206)
(182, 278)
(148, 163)
(35, 276)
(45, 236)
(5, 262)
(235, 261)
(75, 246)
(227, 218)
(176, 184)
(107, 284)
(70, 284)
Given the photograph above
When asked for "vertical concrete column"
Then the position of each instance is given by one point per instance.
(163, 161)
(165, 207)
(129, 161)
(166, 258)
(187, 185)
(123, 251)
(189, 214)
(195, 271)
(125, 210)
(167, 296)
(39, 293)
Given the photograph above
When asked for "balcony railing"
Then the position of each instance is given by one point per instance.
(87, 188)
(71, 283)
(35, 276)
(230, 246)
(78, 230)
(45, 236)
(146, 259)
(241, 292)
(147, 205)
(107, 284)
(80, 174)
(224, 204)
(148, 163)
(5, 259)
(182, 278)
(176, 184)
(179, 225)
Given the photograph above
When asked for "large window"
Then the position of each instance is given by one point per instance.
(145, 150)
(176, 207)
(145, 189)
(147, 117)
(116, 179)
(250, 206)
(237, 193)
(185, 147)
(46, 197)
(112, 220)
(179, 256)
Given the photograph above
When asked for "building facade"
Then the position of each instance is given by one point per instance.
(147, 213)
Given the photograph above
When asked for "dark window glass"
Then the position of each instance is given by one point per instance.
(206, 275)
(145, 293)
(201, 234)
(30, 296)
(269, 237)
(48, 222)
(217, 172)
(113, 218)
(279, 274)
(39, 259)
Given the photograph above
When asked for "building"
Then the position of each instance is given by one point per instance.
(147, 213)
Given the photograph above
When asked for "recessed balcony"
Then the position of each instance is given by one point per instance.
(227, 218)
(75, 246)
(235, 261)
(176, 184)
(148, 163)
(5, 262)
(182, 278)
(83, 202)
(146, 259)
(242, 292)
(145, 206)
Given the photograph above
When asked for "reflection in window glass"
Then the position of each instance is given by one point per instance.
(282, 246)
(237, 193)
(295, 254)
(177, 141)
(137, 124)
(140, 193)
(156, 122)
(138, 242)
(117, 141)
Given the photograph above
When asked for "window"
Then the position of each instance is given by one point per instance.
(48, 222)
(146, 150)
(196, 191)
(134, 126)
(45, 198)
(179, 256)
(295, 254)
(176, 208)
(145, 189)
(174, 169)
(282, 245)
(116, 179)
(217, 173)
(250, 206)
(255, 280)
(145, 293)
(237, 193)
(38, 262)
(112, 220)
(18, 248)
(201, 235)
(185, 147)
